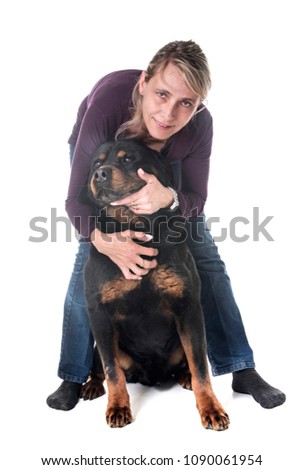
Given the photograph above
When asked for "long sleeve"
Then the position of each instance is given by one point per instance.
(107, 107)
(192, 146)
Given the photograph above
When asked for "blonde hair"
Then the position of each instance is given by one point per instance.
(190, 59)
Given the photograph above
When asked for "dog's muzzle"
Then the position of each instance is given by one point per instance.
(102, 174)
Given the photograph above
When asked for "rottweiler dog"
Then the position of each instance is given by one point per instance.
(149, 330)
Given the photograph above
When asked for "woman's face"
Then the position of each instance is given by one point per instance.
(168, 103)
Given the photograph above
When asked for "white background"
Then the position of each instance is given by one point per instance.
(52, 53)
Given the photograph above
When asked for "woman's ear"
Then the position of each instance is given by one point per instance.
(142, 82)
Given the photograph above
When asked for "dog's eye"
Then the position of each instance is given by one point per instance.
(126, 160)
(97, 164)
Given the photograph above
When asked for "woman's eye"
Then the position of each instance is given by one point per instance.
(186, 103)
(161, 94)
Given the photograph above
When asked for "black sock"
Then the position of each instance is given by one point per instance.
(249, 381)
(65, 397)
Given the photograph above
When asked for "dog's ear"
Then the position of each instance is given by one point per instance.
(157, 166)
(163, 171)
(167, 174)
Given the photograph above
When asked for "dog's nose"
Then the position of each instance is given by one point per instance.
(102, 174)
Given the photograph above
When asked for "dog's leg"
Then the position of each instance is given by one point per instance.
(183, 377)
(94, 388)
(192, 336)
(118, 413)
(181, 370)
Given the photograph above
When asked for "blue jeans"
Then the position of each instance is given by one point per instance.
(228, 348)
(77, 340)
(227, 345)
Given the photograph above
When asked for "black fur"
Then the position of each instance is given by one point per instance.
(151, 329)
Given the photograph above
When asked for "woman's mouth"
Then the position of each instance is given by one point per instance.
(163, 126)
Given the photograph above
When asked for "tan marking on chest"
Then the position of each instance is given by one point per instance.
(166, 280)
(117, 288)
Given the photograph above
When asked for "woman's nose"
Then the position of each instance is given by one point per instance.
(169, 111)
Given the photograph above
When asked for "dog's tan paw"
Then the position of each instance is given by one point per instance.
(118, 417)
(214, 417)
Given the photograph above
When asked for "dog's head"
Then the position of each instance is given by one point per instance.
(113, 176)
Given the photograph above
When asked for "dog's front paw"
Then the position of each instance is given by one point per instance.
(214, 417)
(118, 417)
(184, 379)
(92, 389)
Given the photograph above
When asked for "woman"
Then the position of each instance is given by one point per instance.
(162, 106)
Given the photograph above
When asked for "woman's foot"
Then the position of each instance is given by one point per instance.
(249, 381)
(65, 397)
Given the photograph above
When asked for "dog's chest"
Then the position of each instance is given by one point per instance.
(143, 311)
(146, 328)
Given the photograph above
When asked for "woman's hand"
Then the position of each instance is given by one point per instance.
(152, 197)
(125, 253)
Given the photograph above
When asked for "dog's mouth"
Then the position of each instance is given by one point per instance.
(106, 195)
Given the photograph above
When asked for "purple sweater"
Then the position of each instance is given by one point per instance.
(100, 115)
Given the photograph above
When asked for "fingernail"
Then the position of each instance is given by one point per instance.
(149, 237)
(113, 204)
(141, 171)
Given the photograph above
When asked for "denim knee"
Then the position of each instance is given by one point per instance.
(203, 247)
(75, 289)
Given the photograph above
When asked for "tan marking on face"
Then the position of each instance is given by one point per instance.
(117, 288)
(92, 187)
(118, 182)
(121, 154)
(167, 281)
(102, 156)
(122, 183)
(116, 177)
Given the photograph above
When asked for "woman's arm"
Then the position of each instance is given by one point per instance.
(92, 134)
(107, 108)
(193, 187)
